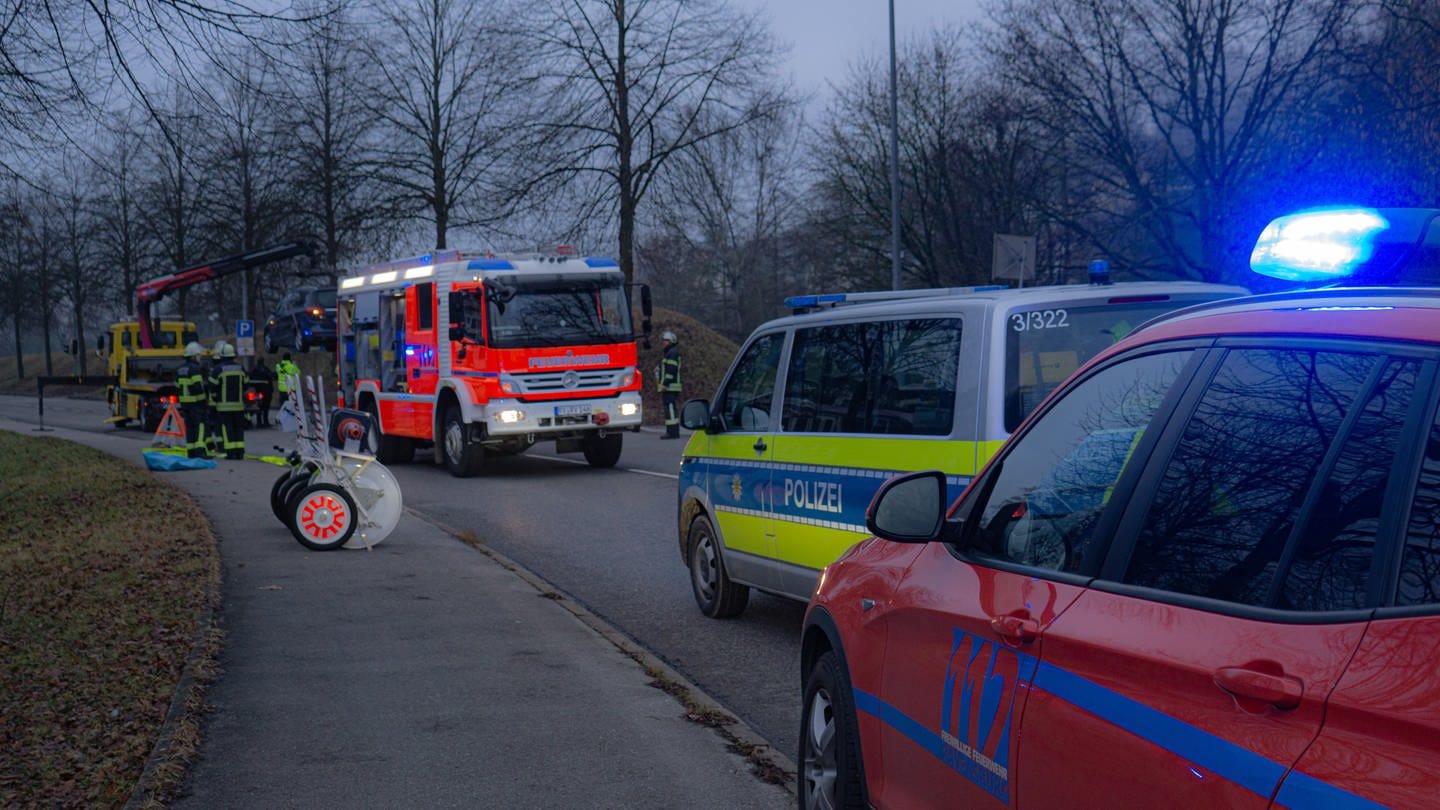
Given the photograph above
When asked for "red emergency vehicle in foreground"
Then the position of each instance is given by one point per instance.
(1205, 573)
(486, 354)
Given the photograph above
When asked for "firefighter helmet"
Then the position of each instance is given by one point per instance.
(668, 335)
(194, 349)
(225, 350)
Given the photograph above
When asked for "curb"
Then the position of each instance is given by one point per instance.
(766, 763)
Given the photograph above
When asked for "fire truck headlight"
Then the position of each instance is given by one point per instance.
(629, 409)
(627, 378)
(509, 385)
(510, 416)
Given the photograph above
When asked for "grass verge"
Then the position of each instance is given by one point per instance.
(107, 579)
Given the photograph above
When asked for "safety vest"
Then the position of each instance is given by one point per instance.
(227, 387)
(670, 370)
(283, 370)
(191, 379)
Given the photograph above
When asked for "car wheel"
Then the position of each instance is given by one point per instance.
(602, 451)
(387, 449)
(715, 594)
(831, 771)
(463, 458)
(323, 517)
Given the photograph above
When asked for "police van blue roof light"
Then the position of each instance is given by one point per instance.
(805, 301)
(1317, 245)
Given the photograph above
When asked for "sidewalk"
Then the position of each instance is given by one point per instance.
(423, 673)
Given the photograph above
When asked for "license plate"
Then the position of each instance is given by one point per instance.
(572, 410)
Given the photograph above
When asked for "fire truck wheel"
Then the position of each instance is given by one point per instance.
(324, 517)
(387, 449)
(463, 458)
(602, 451)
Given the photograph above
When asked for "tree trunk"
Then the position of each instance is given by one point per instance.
(19, 351)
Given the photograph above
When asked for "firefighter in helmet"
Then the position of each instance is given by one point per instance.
(227, 386)
(668, 381)
(194, 406)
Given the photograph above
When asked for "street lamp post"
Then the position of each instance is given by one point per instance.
(894, 163)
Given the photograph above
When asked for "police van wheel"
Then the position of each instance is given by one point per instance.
(463, 458)
(831, 773)
(715, 594)
(323, 517)
(602, 451)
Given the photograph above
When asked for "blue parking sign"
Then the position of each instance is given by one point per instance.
(244, 329)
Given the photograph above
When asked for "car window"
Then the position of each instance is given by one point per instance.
(1420, 559)
(322, 298)
(886, 377)
(1223, 523)
(1055, 479)
(746, 401)
(1327, 566)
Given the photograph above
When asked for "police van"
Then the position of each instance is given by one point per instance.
(823, 406)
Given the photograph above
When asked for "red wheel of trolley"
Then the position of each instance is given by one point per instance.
(323, 517)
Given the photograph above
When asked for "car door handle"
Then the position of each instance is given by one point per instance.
(760, 445)
(1016, 627)
(1282, 691)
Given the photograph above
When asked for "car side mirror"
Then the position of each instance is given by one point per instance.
(909, 508)
(696, 415)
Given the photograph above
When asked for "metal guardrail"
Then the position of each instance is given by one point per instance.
(83, 380)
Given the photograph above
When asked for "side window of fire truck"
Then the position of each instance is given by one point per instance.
(424, 307)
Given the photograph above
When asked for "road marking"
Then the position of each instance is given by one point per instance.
(670, 476)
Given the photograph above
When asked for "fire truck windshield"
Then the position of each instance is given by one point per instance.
(557, 311)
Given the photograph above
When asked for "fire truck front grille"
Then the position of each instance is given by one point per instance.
(556, 382)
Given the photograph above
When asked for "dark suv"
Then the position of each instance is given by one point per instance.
(304, 317)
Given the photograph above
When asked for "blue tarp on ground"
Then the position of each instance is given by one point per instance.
(169, 462)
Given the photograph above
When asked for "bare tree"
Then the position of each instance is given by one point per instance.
(1165, 107)
(972, 164)
(250, 197)
(340, 200)
(447, 82)
(16, 287)
(80, 272)
(721, 215)
(634, 83)
(119, 215)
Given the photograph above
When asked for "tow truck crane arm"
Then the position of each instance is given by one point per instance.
(153, 290)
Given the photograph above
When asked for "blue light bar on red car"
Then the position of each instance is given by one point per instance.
(1317, 246)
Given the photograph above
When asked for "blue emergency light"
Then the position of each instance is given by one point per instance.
(1318, 246)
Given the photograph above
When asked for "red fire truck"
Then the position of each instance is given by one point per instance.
(481, 354)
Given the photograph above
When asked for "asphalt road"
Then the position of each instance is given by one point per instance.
(607, 538)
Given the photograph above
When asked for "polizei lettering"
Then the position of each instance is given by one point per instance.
(819, 496)
(570, 359)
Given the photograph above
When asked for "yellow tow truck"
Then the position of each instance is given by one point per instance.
(143, 354)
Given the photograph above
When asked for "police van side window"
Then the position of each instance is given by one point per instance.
(1272, 497)
(746, 401)
(883, 377)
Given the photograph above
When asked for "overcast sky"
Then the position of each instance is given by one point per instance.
(825, 36)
